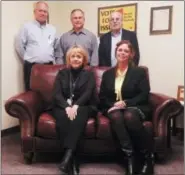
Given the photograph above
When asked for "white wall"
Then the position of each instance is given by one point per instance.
(163, 54)
(14, 14)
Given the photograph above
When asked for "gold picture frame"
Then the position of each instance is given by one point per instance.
(180, 93)
(161, 20)
(129, 12)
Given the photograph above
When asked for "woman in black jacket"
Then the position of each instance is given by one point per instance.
(124, 94)
(74, 101)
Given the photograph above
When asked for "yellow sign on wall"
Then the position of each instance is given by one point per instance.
(129, 12)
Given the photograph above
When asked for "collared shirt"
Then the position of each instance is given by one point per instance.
(35, 42)
(118, 83)
(115, 40)
(85, 38)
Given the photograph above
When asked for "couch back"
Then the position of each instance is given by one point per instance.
(43, 77)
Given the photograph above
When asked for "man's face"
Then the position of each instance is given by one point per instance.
(115, 21)
(41, 12)
(77, 20)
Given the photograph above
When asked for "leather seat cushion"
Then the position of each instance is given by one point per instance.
(46, 127)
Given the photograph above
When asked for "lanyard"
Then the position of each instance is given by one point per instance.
(72, 85)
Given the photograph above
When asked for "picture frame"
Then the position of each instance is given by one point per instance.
(180, 93)
(129, 12)
(161, 20)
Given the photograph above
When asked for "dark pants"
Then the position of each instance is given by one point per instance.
(128, 127)
(27, 73)
(70, 132)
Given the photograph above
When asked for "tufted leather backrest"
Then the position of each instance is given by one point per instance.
(43, 77)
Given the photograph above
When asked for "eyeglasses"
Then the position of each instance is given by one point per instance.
(115, 19)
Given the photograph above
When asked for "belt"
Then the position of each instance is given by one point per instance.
(49, 63)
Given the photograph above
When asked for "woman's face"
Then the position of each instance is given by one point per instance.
(123, 53)
(76, 60)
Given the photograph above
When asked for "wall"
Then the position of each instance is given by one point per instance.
(14, 14)
(163, 54)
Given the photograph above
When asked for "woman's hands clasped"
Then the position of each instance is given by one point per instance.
(71, 112)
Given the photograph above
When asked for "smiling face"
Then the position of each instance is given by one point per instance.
(76, 57)
(77, 20)
(41, 12)
(115, 21)
(124, 52)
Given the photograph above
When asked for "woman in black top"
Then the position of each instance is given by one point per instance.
(74, 101)
(124, 99)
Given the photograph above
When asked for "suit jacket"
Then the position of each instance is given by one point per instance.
(84, 91)
(104, 51)
(135, 89)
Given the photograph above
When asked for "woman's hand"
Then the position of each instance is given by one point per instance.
(69, 112)
(74, 109)
(113, 108)
(72, 112)
(120, 104)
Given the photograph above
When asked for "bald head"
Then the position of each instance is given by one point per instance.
(41, 11)
(115, 20)
(116, 14)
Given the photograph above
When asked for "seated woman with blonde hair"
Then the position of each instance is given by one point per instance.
(124, 99)
(73, 103)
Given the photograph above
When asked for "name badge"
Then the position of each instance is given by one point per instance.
(49, 39)
(69, 101)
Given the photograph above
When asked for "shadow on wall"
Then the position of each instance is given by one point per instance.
(20, 78)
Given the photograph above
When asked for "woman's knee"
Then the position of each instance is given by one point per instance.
(116, 116)
(131, 115)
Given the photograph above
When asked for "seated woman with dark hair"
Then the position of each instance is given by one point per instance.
(124, 99)
(73, 103)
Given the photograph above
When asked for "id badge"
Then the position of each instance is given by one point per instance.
(69, 101)
(49, 39)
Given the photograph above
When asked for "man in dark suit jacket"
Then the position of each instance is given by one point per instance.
(109, 40)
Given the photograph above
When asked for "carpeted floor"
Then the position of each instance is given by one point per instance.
(13, 163)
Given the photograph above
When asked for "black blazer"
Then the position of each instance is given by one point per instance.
(104, 51)
(135, 89)
(84, 92)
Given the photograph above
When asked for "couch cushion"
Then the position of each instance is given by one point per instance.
(98, 72)
(103, 128)
(46, 127)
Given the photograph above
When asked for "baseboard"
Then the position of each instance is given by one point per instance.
(9, 131)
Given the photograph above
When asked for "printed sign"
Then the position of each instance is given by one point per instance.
(129, 12)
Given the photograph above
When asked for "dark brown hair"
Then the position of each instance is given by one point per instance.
(130, 47)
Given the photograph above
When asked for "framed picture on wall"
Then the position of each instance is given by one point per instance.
(161, 20)
(180, 93)
(129, 12)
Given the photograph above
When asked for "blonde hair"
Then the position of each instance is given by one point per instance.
(77, 49)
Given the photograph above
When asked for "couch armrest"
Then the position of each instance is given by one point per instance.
(164, 108)
(26, 107)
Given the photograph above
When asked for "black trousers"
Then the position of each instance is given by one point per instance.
(70, 132)
(27, 73)
(127, 124)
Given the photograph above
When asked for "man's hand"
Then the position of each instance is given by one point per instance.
(120, 104)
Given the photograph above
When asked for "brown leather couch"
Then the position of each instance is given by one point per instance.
(38, 128)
